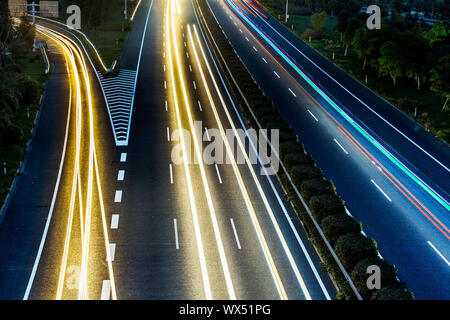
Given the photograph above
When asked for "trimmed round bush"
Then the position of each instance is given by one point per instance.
(392, 293)
(326, 205)
(354, 247)
(337, 225)
(287, 135)
(359, 275)
(297, 158)
(288, 147)
(301, 173)
(263, 111)
(316, 187)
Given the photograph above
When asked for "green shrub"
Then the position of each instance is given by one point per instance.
(316, 187)
(273, 117)
(354, 247)
(263, 111)
(392, 293)
(359, 275)
(304, 172)
(314, 34)
(28, 88)
(12, 135)
(297, 158)
(326, 205)
(289, 147)
(287, 135)
(338, 225)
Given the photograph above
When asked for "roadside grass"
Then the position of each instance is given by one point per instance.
(299, 24)
(34, 66)
(108, 38)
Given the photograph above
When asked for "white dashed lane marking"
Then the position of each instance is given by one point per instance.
(115, 221)
(118, 196)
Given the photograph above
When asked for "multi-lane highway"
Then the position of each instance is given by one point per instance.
(111, 204)
(393, 175)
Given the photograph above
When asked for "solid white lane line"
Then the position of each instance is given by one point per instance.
(340, 146)
(52, 205)
(235, 234)
(292, 92)
(168, 134)
(276, 74)
(195, 86)
(123, 157)
(381, 190)
(112, 250)
(115, 221)
(440, 254)
(118, 196)
(171, 174)
(165, 104)
(265, 60)
(177, 245)
(106, 290)
(312, 115)
(120, 175)
(207, 134)
(200, 105)
(218, 173)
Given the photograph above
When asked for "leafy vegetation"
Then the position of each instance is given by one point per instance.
(21, 78)
(326, 206)
(407, 61)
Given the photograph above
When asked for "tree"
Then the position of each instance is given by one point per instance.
(318, 20)
(26, 32)
(341, 24)
(390, 61)
(5, 25)
(360, 44)
(416, 52)
(440, 78)
(352, 25)
(437, 33)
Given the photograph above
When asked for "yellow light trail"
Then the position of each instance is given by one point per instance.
(255, 178)
(211, 208)
(198, 237)
(70, 46)
(76, 175)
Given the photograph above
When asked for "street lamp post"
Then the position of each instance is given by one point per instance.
(125, 10)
